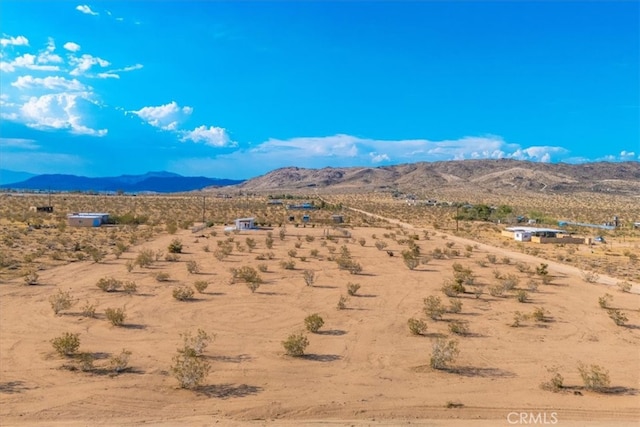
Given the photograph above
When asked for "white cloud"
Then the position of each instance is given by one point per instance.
(378, 158)
(85, 62)
(25, 144)
(213, 136)
(51, 83)
(86, 9)
(26, 61)
(14, 41)
(627, 154)
(71, 46)
(58, 111)
(166, 117)
(111, 74)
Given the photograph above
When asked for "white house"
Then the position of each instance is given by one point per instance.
(245, 223)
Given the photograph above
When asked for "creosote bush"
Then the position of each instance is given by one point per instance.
(295, 344)
(342, 303)
(195, 345)
(605, 300)
(67, 344)
(443, 353)
(193, 267)
(618, 317)
(433, 307)
(624, 286)
(313, 322)
(183, 293)
(89, 310)
(594, 377)
(120, 362)
(31, 278)
(459, 327)
(130, 287)
(116, 316)
(190, 371)
(352, 288)
(417, 326)
(60, 301)
(109, 284)
(309, 277)
(200, 285)
(555, 383)
(175, 247)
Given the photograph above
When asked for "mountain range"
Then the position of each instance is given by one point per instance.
(501, 175)
(159, 182)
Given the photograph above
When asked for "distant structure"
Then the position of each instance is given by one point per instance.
(337, 219)
(46, 209)
(245, 223)
(306, 205)
(540, 235)
(87, 219)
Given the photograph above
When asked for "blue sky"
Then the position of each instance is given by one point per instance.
(236, 89)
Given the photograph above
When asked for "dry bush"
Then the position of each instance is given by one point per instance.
(162, 276)
(590, 276)
(539, 314)
(183, 293)
(31, 278)
(309, 277)
(130, 287)
(443, 353)
(88, 310)
(194, 345)
(116, 316)
(295, 344)
(522, 296)
(342, 303)
(555, 383)
(67, 344)
(60, 301)
(433, 307)
(352, 288)
(190, 371)
(624, 286)
(594, 377)
(618, 316)
(459, 327)
(455, 306)
(193, 267)
(605, 300)
(288, 264)
(175, 247)
(417, 326)
(262, 267)
(313, 322)
(109, 284)
(120, 362)
(145, 258)
(200, 285)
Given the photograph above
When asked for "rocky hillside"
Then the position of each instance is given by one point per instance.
(504, 175)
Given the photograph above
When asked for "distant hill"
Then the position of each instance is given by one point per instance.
(160, 182)
(9, 176)
(503, 175)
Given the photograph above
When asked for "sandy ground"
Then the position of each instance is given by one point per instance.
(364, 368)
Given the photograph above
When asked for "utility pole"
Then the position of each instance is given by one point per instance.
(203, 208)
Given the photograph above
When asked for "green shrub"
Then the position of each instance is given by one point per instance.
(459, 327)
(313, 322)
(288, 264)
(195, 345)
(60, 301)
(120, 362)
(66, 344)
(417, 326)
(617, 316)
(605, 300)
(455, 306)
(295, 344)
(115, 315)
(522, 296)
(145, 258)
(183, 293)
(433, 307)
(190, 371)
(175, 247)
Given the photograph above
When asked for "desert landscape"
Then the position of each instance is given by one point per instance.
(401, 314)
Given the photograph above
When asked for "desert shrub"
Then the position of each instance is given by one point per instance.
(417, 326)
(590, 276)
(342, 303)
(66, 344)
(539, 314)
(451, 288)
(130, 287)
(481, 263)
(433, 307)
(309, 238)
(555, 383)
(455, 306)
(86, 361)
(497, 274)
(617, 316)
(298, 245)
(459, 327)
(496, 291)
(190, 371)
(145, 258)
(380, 244)
(295, 344)
(309, 277)
(492, 258)
(282, 233)
(160, 253)
(532, 285)
(605, 300)
(292, 253)
(313, 322)
(594, 377)
(262, 267)
(410, 260)
(509, 282)
(120, 362)
(194, 345)
(362, 241)
(88, 310)
(443, 353)
(506, 260)
(60, 301)
(130, 264)
(288, 264)
(477, 291)
(251, 243)
(162, 276)
(115, 315)
(518, 318)
(313, 253)
(200, 285)
(193, 267)
(31, 278)
(109, 284)
(183, 293)
(175, 247)
(624, 286)
(542, 269)
(253, 286)
(352, 288)
(522, 296)
(268, 241)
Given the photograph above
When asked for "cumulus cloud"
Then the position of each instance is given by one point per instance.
(51, 83)
(86, 10)
(84, 64)
(379, 158)
(213, 136)
(14, 41)
(624, 154)
(166, 117)
(58, 111)
(71, 46)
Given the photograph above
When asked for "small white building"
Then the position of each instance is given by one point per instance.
(522, 236)
(245, 223)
